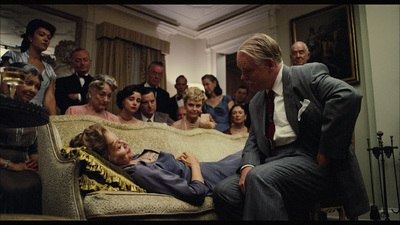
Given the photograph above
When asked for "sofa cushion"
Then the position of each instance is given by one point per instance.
(147, 205)
(99, 174)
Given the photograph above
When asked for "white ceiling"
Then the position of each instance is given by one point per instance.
(186, 19)
(192, 17)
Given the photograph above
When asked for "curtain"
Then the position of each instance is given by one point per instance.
(112, 59)
(134, 65)
(112, 31)
(118, 52)
(149, 55)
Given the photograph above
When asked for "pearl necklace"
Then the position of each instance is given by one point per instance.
(190, 125)
(125, 119)
(240, 130)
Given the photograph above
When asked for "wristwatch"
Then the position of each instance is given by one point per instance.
(6, 164)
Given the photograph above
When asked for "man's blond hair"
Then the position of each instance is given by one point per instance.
(261, 48)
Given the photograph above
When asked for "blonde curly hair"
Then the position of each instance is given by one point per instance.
(194, 93)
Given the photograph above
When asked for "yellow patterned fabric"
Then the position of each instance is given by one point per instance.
(97, 173)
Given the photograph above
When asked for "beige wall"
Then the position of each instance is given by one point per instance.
(377, 32)
(382, 28)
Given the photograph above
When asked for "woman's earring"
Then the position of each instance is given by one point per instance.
(30, 40)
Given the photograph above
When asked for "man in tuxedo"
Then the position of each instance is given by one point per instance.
(299, 54)
(148, 107)
(176, 101)
(299, 142)
(72, 90)
(154, 75)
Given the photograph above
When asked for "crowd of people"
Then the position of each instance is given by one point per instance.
(284, 162)
(82, 93)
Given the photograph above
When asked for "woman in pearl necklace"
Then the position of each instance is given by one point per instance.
(194, 99)
(128, 100)
(237, 117)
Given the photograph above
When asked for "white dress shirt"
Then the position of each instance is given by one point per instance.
(179, 102)
(284, 133)
(144, 118)
(82, 80)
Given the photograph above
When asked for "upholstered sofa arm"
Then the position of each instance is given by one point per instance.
(60, 189)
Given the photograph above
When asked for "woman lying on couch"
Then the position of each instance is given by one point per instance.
(183, 177)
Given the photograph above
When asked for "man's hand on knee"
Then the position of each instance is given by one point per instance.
(243, 178)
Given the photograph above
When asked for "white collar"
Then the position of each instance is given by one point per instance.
(145, 118)
(148, 85)
(278, 87)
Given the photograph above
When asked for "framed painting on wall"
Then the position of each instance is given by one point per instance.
(330, 37)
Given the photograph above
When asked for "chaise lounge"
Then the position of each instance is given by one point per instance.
(64, 192)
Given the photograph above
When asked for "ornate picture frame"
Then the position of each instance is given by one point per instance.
(330, 36)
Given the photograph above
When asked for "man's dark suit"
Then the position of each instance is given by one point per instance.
(159, 117)
(162, 98)
(325, 126)
(173, 107)
(71, 85)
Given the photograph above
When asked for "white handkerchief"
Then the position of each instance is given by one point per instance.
(304, 105)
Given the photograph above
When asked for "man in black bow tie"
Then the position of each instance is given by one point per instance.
(154, 75)
(72, 90)
(176, 101)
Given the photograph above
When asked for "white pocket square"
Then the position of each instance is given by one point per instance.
(304, 105)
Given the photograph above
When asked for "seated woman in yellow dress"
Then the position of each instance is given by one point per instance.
(99, 95)
(194, 99)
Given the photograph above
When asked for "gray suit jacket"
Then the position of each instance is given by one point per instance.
(159, 117)
(325, 126)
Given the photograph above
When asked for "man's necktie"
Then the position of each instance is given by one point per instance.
(155, 91)
(149, 120)
(270, 120)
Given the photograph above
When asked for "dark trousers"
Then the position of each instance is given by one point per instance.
(284, 187)
(20, 192)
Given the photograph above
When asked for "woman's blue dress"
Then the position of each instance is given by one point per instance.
(172, 177)
(220, 113)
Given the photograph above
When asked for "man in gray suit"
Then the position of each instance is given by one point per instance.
(148, 108)
(314, 117)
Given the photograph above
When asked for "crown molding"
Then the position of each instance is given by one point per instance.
(167, 27)
(228, 47)
(250, 17)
